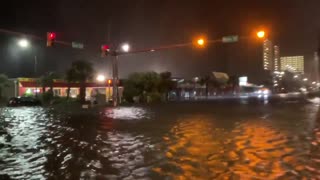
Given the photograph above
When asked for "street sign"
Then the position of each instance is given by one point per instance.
(230, 39)
(77, 45)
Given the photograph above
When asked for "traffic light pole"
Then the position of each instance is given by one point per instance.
(115, 93)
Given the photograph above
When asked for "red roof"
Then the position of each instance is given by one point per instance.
(62, 84)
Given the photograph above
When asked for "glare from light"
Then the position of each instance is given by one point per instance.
(24, 43)
(305, 79)
(200, 42)
(296, 76)
(261, 34)
(125, 47)
(313, 82)
(266, 91)
(101, 78)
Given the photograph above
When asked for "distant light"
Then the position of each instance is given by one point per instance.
(24, 43)
(28, 91)
(125, 47)
(261, 34)
(305, 79)
(296, 76)
(314, 82)
(200, 42)
(101, 78)
(266, 92)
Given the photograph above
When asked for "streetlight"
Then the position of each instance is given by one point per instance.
(261, 34)
(101, 78)
(200, 42)
(125, 47)
(24, 43)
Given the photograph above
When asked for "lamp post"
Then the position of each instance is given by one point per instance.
(24, 44)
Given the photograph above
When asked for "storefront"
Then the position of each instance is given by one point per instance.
(30, 86)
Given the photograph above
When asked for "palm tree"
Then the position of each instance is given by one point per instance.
(47, 81)
(69, 78)
(166, 84)
(206, 81)
(4, 82)
(80, 71)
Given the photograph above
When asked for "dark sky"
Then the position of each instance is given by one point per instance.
(293, 24)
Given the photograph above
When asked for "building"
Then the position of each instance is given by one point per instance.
(292, 63)
(276, 58)
(267, 55)
(29, 86)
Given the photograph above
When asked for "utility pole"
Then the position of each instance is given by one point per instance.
(35, 65)
(115, 92)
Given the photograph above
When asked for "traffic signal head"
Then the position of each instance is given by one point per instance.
(104, 50)
(51, 37)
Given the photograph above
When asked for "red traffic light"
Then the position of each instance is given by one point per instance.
(51, 37)
(105, 47)
(104, 50)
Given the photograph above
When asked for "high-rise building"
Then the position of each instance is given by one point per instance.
(267, 55)
(292, 63)
(276, 58)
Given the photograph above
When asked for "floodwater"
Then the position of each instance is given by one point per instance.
(171, 141)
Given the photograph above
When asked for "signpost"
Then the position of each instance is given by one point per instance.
(230, 39)
(77, 45)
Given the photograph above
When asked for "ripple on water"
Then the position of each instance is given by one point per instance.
(25, 154)
(35, 144)
(127, 113)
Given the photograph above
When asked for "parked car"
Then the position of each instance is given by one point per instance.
(23, 101)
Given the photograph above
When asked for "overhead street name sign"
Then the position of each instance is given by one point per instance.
(77, 45)
(230, 39)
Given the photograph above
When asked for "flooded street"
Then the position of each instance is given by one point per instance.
(172, 141)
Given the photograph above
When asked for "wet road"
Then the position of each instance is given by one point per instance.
(173, 141)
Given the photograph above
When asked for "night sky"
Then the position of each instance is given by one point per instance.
(293, 24)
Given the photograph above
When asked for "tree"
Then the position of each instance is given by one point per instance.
(166, 84)
(47, 80)
(4, 82)
(69, 78)
(233, 82)
(206, 80)
(80, 71)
